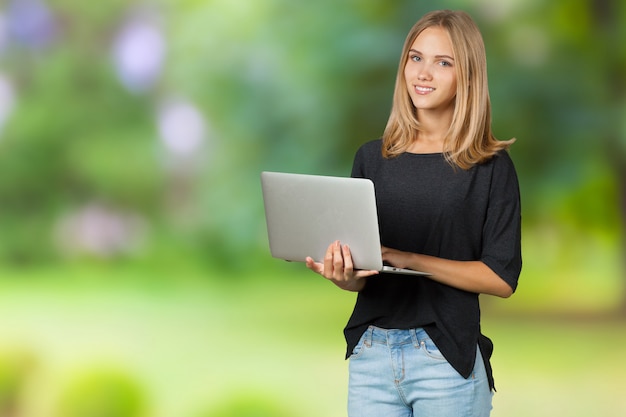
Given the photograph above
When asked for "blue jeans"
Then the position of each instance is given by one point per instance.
(401, 373)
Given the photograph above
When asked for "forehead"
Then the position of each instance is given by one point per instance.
(433, 41)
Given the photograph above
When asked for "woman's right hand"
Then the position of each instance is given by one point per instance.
(339, 268)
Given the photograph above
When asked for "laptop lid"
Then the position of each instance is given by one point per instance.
(306, 213)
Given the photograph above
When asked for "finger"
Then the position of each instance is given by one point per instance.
(366, 273)
(316, 267)
(348, 264)
(338, 262)
(328, 261)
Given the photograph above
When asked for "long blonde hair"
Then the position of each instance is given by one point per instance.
(469, 140)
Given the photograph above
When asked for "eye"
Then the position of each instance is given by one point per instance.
(415, 58)
(445, 63)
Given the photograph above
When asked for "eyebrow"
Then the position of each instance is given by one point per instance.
(436, 56)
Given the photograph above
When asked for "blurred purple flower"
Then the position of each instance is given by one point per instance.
(30, 22)
(182, 127)
(100, 230)
(139, 51)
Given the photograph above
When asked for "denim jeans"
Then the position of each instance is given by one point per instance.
(401, 373)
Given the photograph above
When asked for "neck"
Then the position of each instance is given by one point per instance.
(433, 129)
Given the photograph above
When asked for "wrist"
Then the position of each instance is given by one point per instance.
(352, 286)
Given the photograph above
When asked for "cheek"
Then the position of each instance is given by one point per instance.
(452, 83)
(407, 84)
(407, 75)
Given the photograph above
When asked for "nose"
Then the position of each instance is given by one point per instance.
(424, 73)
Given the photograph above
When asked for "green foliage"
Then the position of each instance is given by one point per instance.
(248, 405)
(76, 135)
(293, 86)
(103, 393)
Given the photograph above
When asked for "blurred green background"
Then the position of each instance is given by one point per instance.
(135, 277)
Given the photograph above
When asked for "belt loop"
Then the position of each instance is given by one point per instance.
(416, 342)
(369, 335)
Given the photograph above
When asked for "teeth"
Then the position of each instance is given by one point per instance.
(424, 89)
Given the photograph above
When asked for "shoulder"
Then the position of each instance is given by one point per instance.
(502, 174)
(369, 152)
(504, 165)
(503, 157)
(367, 157)
(500, 163)
(373, 147)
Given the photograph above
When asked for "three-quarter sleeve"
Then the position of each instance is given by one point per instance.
(501, 249)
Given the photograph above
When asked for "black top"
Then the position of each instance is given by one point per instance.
(427, 206)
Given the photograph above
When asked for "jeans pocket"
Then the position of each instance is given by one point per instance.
(431, 349)
(360, 346)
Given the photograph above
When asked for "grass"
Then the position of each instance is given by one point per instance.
(202, 347)
(557, 367)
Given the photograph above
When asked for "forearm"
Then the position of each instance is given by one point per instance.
(472, 276)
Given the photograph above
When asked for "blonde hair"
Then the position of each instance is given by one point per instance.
(469, 140)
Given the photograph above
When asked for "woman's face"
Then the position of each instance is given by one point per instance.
(430, 72)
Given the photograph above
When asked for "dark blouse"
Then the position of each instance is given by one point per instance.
(427, 206)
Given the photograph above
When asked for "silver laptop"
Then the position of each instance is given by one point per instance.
(306, 213)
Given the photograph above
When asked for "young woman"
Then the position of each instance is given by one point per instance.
(448, 204)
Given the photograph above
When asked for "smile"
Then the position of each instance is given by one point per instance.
(424, 90)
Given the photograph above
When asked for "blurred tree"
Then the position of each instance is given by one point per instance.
(284, 85)
(76, 136)
(607, 38)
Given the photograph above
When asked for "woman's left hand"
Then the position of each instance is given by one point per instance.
(396, 258)
(472, 276)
